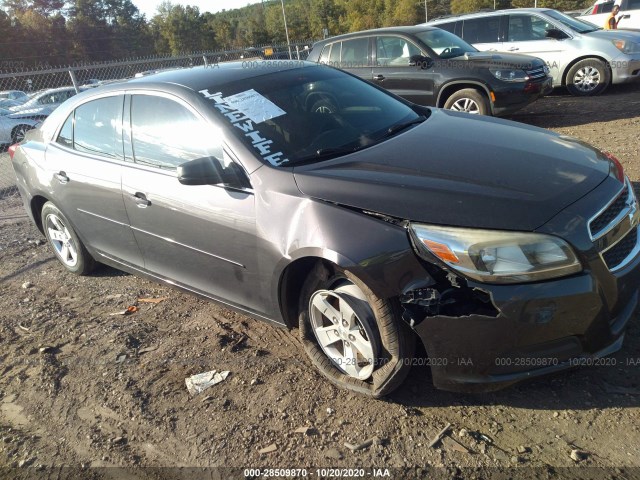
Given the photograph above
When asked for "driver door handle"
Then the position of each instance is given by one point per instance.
(514, 49)
(61, 177)
(141, 199)
(378, 77)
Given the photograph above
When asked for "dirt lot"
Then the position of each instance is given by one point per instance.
(81, 388)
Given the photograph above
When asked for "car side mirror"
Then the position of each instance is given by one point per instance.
(210, 171)
(420, 61)
(556, 34)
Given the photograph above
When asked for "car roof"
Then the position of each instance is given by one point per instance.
(206, 77)
(485, 14)
(375, 31)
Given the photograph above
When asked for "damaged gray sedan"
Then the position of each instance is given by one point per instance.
(304, 196)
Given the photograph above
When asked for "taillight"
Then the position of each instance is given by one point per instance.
(12, 150)
(618, 165)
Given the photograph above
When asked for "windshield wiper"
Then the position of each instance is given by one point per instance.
(325, 153)
(393, 129)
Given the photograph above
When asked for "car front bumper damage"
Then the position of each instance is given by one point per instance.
(536, 329)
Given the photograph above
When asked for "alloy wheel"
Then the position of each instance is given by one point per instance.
(343, 324)
(61, 240)
(587, 79)
(465, 105)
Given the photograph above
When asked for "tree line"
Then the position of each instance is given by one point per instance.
(59, 32)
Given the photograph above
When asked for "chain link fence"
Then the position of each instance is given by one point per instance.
(28, 96)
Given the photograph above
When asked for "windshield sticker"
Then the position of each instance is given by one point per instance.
(247, 124)
(254, 106)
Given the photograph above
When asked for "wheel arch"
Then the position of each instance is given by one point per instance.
(292, 279)
(570, 65)
(450, 88)
(36, 204)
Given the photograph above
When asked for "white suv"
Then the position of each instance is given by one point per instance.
(629, 13)
(580, 56)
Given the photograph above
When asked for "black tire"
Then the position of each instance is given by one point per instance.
(393, 339)
(468, 100)
(18, 133)
(588, 77)
(66, 245)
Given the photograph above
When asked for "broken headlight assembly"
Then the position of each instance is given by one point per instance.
(492, 256)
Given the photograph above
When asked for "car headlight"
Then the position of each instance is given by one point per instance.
(493, 256)
(627, 46)
(509, 75)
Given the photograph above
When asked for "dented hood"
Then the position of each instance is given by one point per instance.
(460, 170)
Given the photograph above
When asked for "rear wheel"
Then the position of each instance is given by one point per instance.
(354, 338)
(18, 133)
(66, 245)
(468, 100)
(588, 77)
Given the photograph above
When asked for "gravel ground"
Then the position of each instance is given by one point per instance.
(81, 388)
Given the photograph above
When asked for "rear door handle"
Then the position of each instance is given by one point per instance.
(61, 177)
(141, 200)
(514, 49)
(378, 77)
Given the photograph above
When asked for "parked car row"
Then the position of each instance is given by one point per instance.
(27, 111)
(580, 56)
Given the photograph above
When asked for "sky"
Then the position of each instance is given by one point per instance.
(148, 7)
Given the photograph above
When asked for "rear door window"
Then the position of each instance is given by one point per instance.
(355, 53)
(93, 128)
(482, 30)
(449, 27)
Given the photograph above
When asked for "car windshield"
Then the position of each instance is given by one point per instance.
(305, 115)
(445, 44)
(572, 23)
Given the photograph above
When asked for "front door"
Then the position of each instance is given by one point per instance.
(201, 237)
(393, 70)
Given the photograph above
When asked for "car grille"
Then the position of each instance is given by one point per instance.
(621, 250)
(614, 229)
(536, 72)
(599, 224)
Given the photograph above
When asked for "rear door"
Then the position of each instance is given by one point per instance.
(484, 33)
(84, 165)
(393, 70)
(201, 237)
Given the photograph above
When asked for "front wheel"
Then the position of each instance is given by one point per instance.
(468, 100)
(588, 77)
(354, 338)
(66, 245)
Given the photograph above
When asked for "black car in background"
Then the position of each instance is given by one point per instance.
(433, 67)
(507, 250)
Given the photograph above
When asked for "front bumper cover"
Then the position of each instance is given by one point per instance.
(539, 329)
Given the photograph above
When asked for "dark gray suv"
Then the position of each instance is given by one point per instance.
(509, 251)
(433, 67)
